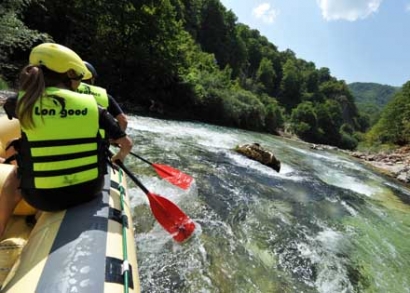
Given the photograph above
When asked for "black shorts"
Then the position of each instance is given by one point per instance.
(57, 199)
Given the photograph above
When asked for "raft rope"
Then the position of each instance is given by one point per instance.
(125, 264)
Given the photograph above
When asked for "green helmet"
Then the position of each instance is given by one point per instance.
(57, 58)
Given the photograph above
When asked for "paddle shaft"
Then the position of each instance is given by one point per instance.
(140, 185)
(168, 215)
(142, 159)
(132, 176)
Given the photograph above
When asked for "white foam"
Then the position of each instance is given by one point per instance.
(207, 136)
(339, 179)
(351, 210)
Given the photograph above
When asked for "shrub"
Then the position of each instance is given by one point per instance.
(348, 141)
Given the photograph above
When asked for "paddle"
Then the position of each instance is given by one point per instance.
(170, 216)
(170, 174)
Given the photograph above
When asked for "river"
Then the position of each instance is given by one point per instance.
(325, 223)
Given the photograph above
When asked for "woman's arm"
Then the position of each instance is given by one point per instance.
(115, 134)
(115, 110)
(10, 106)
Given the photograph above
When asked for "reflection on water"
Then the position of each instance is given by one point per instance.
(323, 224)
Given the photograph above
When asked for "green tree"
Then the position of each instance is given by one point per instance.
(190, 14)
(122, 39)
(251, 109)
(274, 119)
(266, 75)
(329, 117)
(311, 78)
(304, 121)
(16, 38)
(218, 35)
(251, 38)
(324, 75)
(290, 85)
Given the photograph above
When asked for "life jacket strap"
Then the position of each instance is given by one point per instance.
(65, 171)
(61, 142)
(65, 157)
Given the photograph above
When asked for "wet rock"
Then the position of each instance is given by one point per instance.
(404, 176)
(257, 153)
(316, 147)
(321, 147)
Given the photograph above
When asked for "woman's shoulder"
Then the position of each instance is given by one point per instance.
(62, 92)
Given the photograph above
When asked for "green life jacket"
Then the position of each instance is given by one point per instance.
(65, 147)
(99, 93)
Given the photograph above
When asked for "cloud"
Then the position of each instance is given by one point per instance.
(350, 10)
(265, 12)
(408, 7)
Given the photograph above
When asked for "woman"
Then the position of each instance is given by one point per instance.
(61, 156)
(103, 98)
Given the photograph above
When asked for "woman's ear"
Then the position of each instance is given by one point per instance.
(71, 74)
(75, 80)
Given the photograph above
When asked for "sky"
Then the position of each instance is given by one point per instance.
(358, 40)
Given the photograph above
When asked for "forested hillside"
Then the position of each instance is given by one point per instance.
(371, 98)
(191, 56)
(393, 127)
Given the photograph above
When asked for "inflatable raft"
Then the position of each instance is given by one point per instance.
(88, 248)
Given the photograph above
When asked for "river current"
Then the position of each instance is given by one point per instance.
(325, 223)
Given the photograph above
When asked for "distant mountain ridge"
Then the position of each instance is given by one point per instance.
(372, 93)
(371, 98)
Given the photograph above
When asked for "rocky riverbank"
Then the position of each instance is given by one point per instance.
(395, 164)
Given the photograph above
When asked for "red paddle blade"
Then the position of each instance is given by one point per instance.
(173, 176)
(171, 217)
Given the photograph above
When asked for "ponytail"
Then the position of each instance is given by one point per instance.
(33, 81)
(33, 85)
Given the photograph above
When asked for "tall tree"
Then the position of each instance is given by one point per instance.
(16, 38)
(218, 35)
(304, 121)
(290, 85)
(189, 12)
(133, 44)
(329, 118)
(266, 75)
